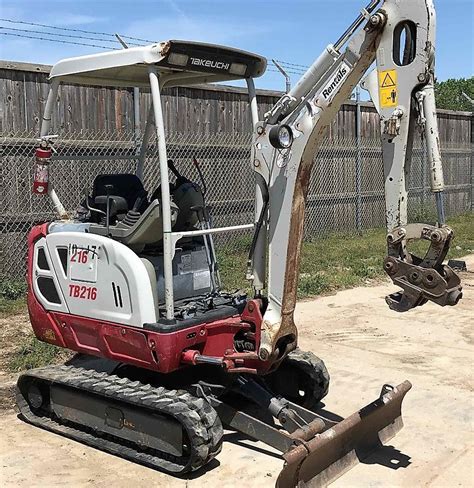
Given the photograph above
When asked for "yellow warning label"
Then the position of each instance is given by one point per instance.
(388, 88)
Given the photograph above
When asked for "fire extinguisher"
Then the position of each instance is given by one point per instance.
(41, 177)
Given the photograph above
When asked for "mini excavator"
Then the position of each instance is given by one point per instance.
(131, 280)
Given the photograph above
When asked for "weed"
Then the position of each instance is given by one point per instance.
(338, 261)
(12, 290)
(11, 307)
(313, 285)
(12, 297)
(33, 353)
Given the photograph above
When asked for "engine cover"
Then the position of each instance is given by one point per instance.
(92, 276)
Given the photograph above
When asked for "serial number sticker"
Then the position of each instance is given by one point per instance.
(83, 262)
(83, 292)
(186, 262)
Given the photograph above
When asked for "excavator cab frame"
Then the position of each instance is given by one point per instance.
(162, 65)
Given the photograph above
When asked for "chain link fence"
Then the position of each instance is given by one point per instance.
(346, 192)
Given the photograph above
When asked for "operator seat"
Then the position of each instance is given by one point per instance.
(134, 221)
(126, 192)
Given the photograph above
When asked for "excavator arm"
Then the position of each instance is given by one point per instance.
(399, 35)
(402, 89)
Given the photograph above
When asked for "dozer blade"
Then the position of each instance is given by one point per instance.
(327, 456)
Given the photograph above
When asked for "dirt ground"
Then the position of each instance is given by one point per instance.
(364, 345)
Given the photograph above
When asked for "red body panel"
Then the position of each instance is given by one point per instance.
(161, 352)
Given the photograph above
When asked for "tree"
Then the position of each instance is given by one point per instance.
(449, 94)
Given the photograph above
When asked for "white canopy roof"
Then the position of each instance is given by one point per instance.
(177, 62)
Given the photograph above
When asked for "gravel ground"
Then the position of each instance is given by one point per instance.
(364, 345)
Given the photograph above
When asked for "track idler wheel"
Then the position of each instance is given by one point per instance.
(301, 378)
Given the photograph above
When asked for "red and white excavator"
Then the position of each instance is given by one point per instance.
(132, 282)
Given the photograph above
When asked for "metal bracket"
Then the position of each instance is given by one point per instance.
(386, 389)
(366, 14)
(392, 125)
(457, 265)
(421, 109)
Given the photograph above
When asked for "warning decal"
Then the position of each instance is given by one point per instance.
(388, 88)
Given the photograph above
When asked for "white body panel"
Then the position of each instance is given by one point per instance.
(103, 280)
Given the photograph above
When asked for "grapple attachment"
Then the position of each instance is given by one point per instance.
(328, 455)
(421, 279)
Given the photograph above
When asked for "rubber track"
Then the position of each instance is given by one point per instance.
(198, 418)
(315, 368)
(311, 365)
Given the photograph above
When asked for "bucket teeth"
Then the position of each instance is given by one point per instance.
(326, 457)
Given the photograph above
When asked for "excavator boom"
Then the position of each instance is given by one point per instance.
(400, 37)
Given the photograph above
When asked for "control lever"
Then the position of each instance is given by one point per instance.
(201, 176)
(108, 191)
(207, 222)
(91, 209)
(202, 215)
(138, 202)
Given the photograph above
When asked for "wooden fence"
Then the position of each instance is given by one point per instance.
(205, 109)
(212, 122)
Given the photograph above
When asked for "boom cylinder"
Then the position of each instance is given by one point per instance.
(304, 85)
(316, 71)
(432, 139)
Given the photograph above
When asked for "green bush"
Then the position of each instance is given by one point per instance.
(12, 290)
(313, 285)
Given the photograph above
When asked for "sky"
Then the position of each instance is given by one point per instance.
(294, 31)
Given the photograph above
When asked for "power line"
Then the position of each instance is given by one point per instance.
(58, 40)
(69, 36)
(71, 30)
(291, 68)
(288, 70)
(61, 41)
(305, 67)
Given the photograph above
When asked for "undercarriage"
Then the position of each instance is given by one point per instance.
(134, 414)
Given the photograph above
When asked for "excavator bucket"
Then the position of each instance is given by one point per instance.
(327, 456)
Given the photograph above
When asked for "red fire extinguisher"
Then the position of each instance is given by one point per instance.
(41, 177)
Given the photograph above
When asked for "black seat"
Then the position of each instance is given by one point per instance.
(127, 186)
(125, 193)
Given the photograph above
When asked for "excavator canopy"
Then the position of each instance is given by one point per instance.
(177, 63)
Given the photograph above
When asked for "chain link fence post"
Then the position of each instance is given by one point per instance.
(358, 161)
